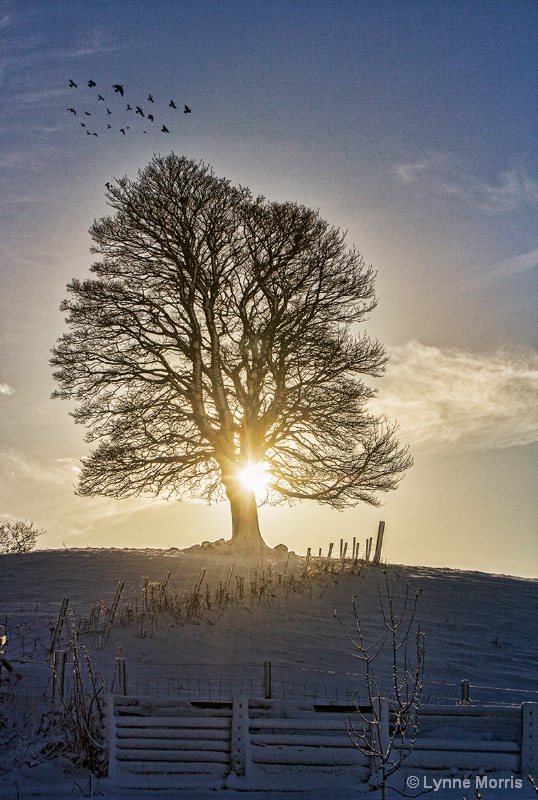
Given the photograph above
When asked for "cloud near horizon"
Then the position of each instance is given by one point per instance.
(45, 489)
(443, 175)
(5, 388)
(460, 400)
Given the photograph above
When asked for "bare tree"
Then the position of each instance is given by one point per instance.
(388, 733)
(218, 335)
(18, 537)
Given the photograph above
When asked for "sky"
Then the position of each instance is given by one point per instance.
(409, 124)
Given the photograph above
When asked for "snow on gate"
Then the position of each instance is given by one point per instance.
(165, 743)
(173, 743)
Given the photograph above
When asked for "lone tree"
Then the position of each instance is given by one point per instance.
(18, 537)
(215, 343)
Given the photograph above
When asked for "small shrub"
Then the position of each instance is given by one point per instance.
(18, 537)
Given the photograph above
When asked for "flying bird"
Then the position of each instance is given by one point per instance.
(95, 134)
(108, 111)
(72, 84)
(82, 125)
(129, 108)
(100, 97)
(164, 129)
(171, 104)
(87, 113)
(139, 111)
(150, 99)
(91, 84)
(122, 130)
(186, 110)
(151, 117)
(118, 88)
(109, 127)
(72, 110)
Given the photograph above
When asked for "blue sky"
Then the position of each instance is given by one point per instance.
(412, 125)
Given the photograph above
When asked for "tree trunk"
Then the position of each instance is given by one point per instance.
(245, 527)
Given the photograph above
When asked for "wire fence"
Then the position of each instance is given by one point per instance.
(31, 643)
(31, 690)
(437, 693)
(31, 640)
(284, 681)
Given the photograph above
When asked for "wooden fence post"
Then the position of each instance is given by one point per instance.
(267, 680)
(529, 739)
(122, 677)
(368, 550)
(59, 626)
(465, 698)
(110, 614)
(111, 730)
(379, 543)
(58, 669)
(240, 736)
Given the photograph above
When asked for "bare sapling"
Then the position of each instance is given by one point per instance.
(387, 733)
(85, 710)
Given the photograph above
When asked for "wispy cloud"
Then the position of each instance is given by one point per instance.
(17, 465)
(6, 15)
(28, 199)
(459, 399)
(43, 489)
(24, 160)
(30, 56)
(5, 388)
(15, 160)
(26, 43)
(414, 170)
(511, 190)
(41, 96)
(525, 262)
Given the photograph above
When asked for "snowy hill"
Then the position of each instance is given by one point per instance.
(479, 627)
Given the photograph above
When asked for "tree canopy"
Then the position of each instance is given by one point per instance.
(219, 332)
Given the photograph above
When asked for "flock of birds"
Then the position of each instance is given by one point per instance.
(114, 118)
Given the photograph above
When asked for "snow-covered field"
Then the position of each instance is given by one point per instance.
(479, 627)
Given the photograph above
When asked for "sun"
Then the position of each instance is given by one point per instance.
(255, 478)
